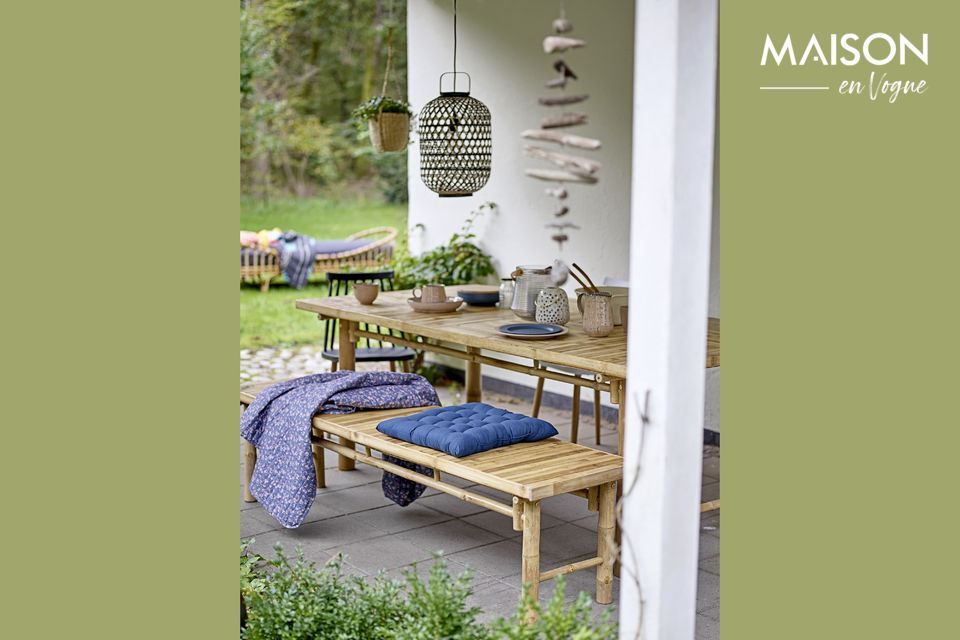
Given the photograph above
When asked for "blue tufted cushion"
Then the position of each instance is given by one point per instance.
(465, 429)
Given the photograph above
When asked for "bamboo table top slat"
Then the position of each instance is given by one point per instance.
(477, 327)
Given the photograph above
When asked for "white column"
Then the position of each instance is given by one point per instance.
(673, 137)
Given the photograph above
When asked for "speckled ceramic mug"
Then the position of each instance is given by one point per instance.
(597, 317)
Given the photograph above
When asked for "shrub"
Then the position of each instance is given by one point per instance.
(296, 601)
(460, 261)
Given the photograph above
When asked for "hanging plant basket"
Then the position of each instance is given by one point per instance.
(389, 131)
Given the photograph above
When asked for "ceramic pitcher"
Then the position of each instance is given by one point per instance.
(597, 316)
(553, 307)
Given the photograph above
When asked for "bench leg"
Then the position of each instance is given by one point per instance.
(318, 464)
(530, 567)
(347, 363)
(605, 542)
(249, 462)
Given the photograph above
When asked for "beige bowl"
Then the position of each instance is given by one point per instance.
(366, 292)
(618, 299)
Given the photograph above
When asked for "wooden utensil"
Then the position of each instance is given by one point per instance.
(577, 278)
(584, 273)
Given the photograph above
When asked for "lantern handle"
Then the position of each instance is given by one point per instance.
(455, 74)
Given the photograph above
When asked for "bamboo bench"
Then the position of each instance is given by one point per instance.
(529, 472)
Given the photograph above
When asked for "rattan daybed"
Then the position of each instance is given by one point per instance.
(264, 265)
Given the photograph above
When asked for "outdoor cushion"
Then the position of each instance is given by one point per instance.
(465, 429)
(339, 246)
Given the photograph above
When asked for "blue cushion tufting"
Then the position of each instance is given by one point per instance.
(465, 429)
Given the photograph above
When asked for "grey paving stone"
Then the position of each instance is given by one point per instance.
(264, 545)
(590, 522)
(710, 522)
(448, 537)
(568, 541)
(707, 628)
(450, 505)
(566, 507)
(333, 533)
(495, 600)
(394, 519)
(353, 500)
(710, 492)
(712, 613)
(711, 564)
(363, 474)
(503, 526)
(455, 569)
(709, 545)
(500, 559)
(256, 521)
(711, 463)
(708, 590)
(382, 554)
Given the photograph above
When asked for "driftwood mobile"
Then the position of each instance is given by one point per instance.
(568, 169)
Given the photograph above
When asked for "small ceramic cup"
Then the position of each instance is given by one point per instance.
(597, 316)
(430, 293)
(366, 292)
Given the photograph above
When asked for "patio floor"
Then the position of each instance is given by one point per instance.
(352, 517)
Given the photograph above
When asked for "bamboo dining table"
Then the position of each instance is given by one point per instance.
(470, 334)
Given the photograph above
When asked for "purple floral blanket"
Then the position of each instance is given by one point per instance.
(279, 420)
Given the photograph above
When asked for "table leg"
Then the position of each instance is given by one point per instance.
(347, 355)
(474, 388)
(621, 400)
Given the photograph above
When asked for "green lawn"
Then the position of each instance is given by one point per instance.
(269, 319)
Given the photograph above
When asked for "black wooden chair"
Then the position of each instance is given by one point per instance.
(368, 349)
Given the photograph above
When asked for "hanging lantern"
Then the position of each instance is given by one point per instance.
(455, 144)
(455, 139)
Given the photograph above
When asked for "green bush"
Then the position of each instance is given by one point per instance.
(296, 601)
(460, 261)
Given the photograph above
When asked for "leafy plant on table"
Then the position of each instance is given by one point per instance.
(459, 261)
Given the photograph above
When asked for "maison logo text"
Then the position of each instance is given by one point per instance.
(883, 54)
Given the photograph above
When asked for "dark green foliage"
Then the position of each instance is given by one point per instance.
(299, 602)
(557, 621)
(380, 104)
(391, 171)
(460, 261)
(304, 66)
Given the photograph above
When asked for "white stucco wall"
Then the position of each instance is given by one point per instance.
(500, 46)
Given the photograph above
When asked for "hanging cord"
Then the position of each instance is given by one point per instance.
(386, 73)
(454, 46)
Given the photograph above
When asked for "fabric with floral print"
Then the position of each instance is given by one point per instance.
(279, 420)
(401, 490)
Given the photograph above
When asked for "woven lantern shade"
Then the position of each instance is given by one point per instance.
(455, 143)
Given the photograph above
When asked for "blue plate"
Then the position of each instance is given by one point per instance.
(531, 330)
